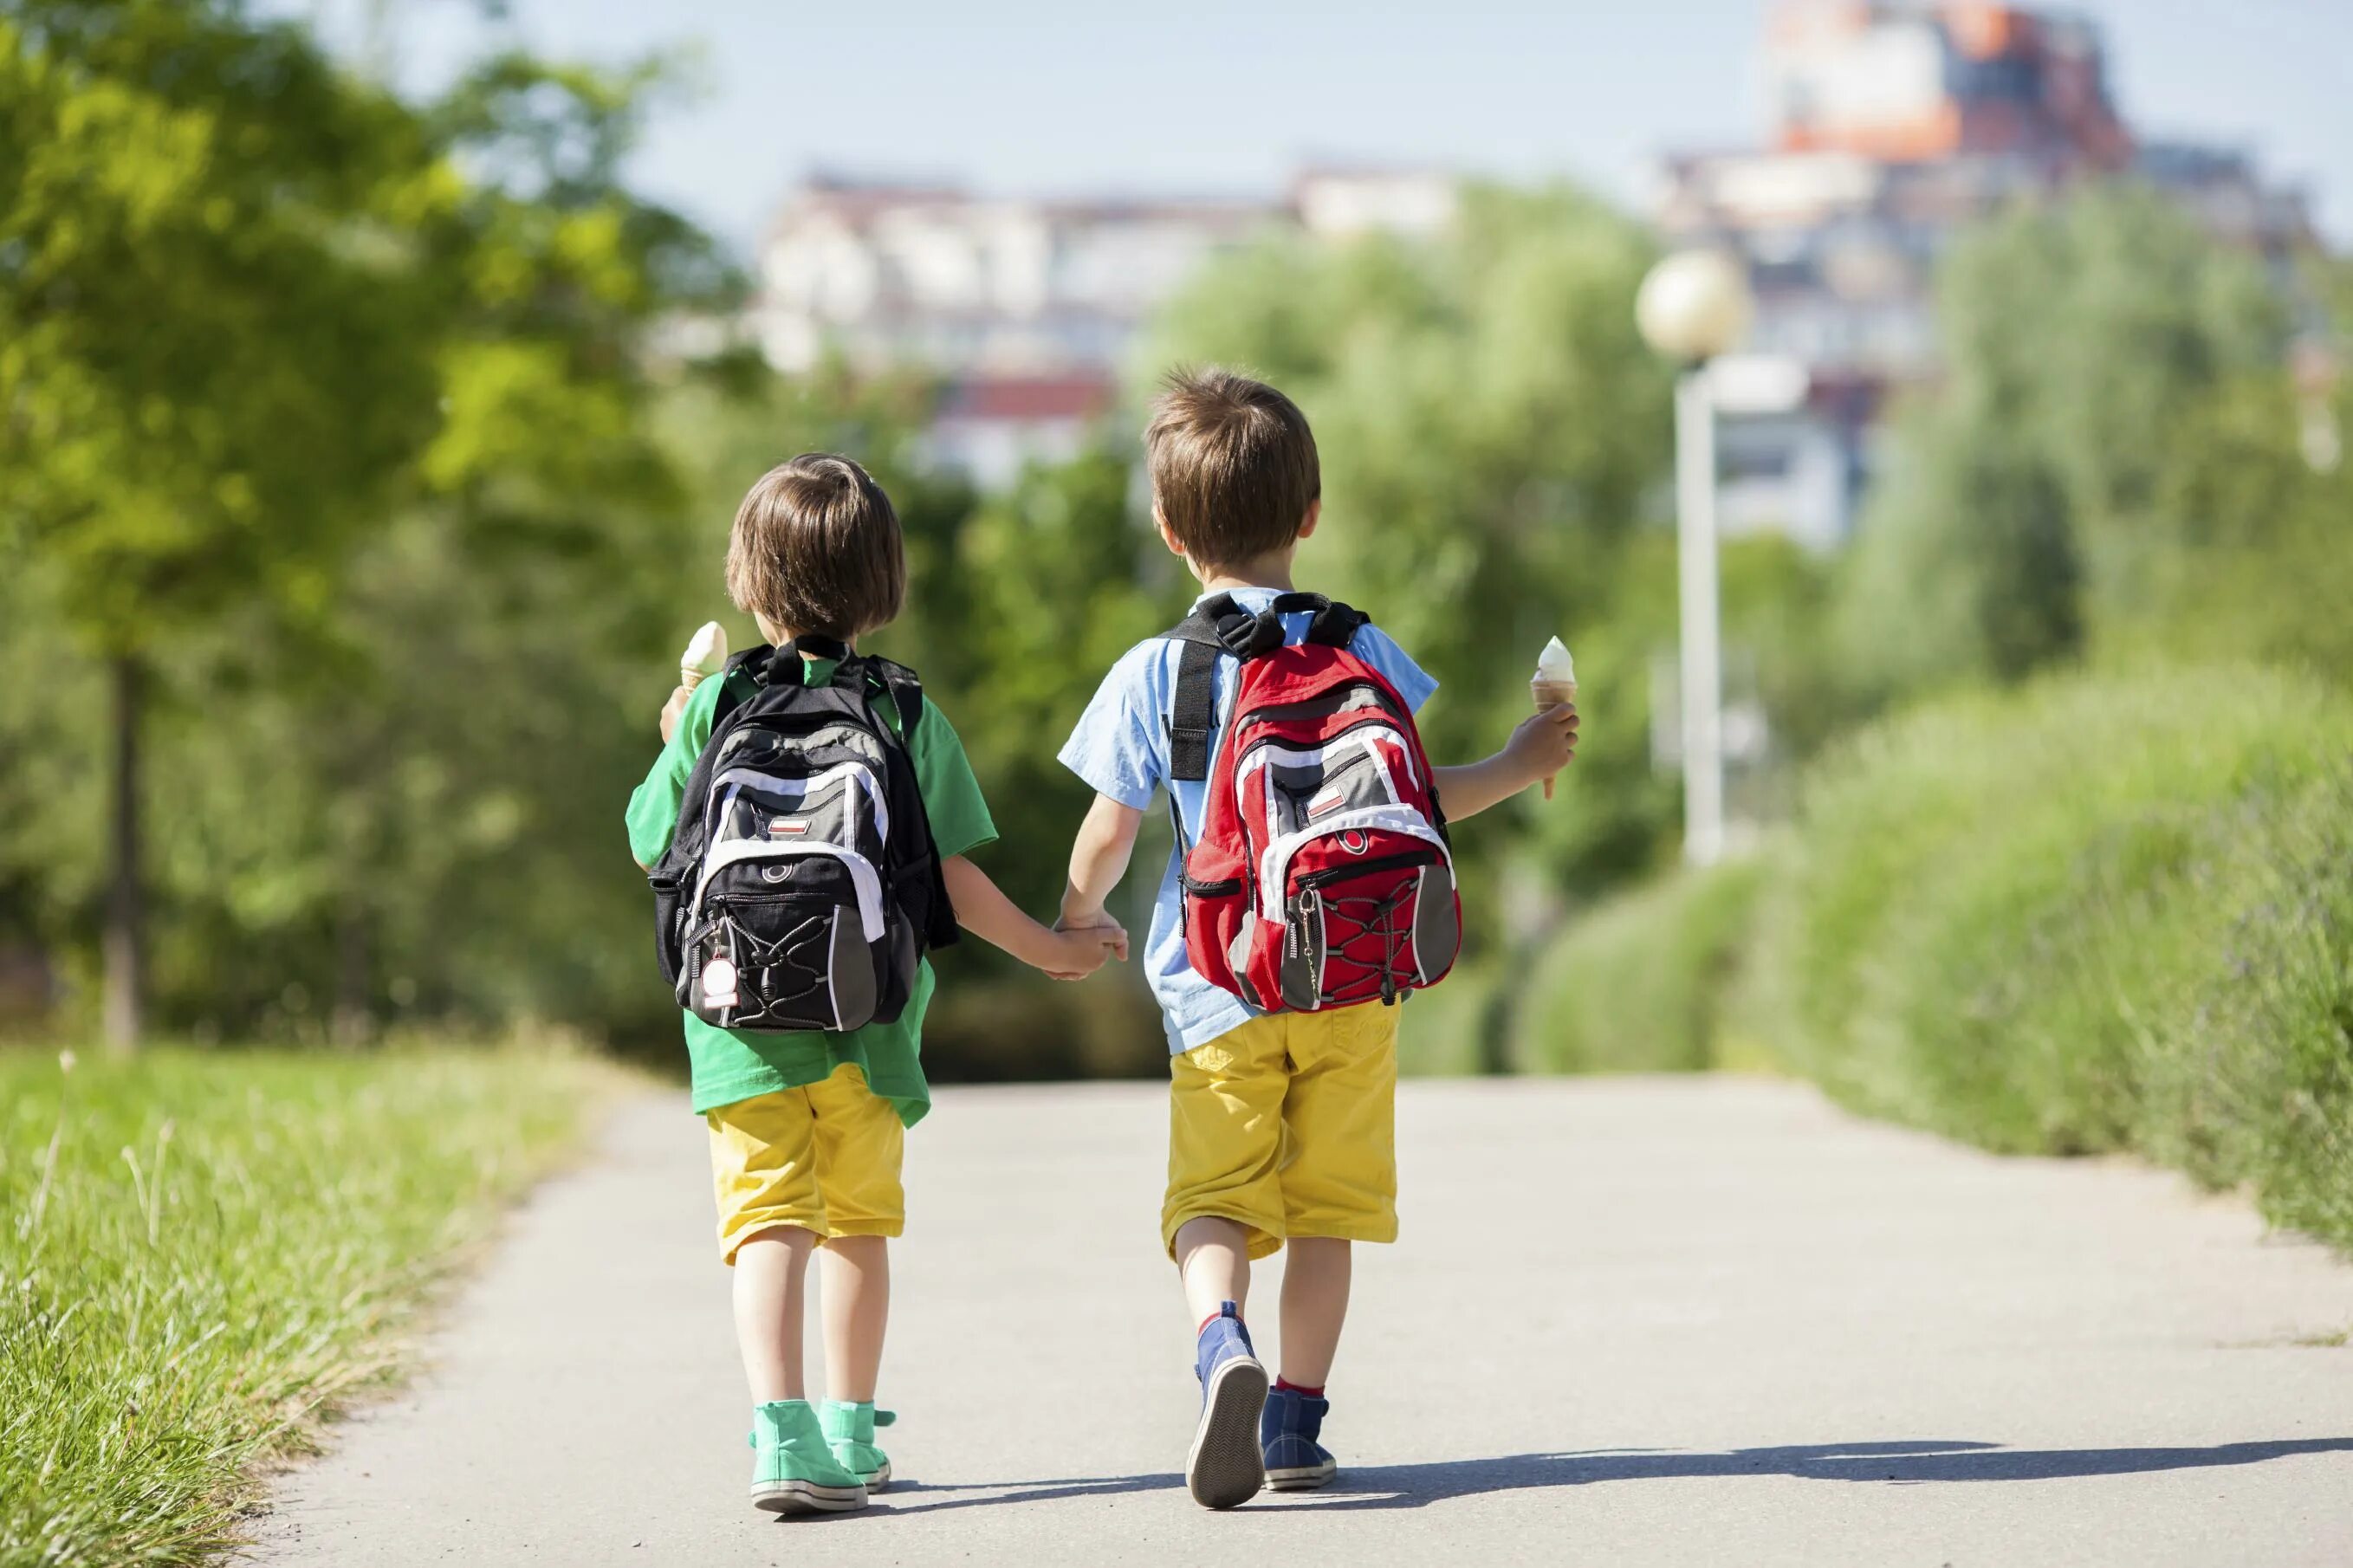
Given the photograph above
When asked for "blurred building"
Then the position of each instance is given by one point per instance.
(1025, 308)
(1894, 126)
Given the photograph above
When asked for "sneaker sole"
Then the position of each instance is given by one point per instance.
(806, 1497)
(1304, 1478)
(879, 1478)
(1226, 1468)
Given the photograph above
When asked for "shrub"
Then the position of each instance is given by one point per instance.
(2097, 914)
(1638, 984)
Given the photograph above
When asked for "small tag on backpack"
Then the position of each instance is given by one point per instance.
(719, 982)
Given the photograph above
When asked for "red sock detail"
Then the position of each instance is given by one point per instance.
(1207, 1320)
(1315, 1392)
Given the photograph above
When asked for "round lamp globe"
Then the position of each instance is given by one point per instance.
(1695, 305)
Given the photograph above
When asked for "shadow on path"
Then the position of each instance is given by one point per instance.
(1412, 1486)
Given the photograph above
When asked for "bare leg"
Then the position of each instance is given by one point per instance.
(771, 1268)
(856, 1310)
(1314, 1305)
(1213, 1261)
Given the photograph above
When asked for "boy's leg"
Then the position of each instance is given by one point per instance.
(1224, 1207)
(1213, 1264)
(1315, 1276)
(771, 1213)
(771, 1272)
(857, 1312)
(860, 1145)
(1339, 1187)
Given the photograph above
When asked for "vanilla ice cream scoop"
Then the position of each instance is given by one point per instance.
(1555, 682)
(706, 655)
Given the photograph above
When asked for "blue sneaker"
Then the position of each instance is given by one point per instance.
(1295, 1461)
(1226, 1467)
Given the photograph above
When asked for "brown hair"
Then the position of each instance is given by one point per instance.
(1233, 465)
(816, 548)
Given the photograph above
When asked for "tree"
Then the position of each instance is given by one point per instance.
(211, 370)
(2021, 511)
(334, 414)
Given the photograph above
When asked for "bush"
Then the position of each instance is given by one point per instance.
(1450, 1030)
(2098, 914)
(1638, 984)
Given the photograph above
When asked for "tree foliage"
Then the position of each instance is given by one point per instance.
(331, 411)
(2097, 352)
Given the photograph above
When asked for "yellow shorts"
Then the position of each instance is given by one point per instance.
(1287, 1126)
(824, 1157)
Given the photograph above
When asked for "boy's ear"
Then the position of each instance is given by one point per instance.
(1167, 534)
(1314, 515)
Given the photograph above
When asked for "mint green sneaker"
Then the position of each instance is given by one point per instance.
(793, 1467)
(849, 1428)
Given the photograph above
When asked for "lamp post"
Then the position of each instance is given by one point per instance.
(1694, 306)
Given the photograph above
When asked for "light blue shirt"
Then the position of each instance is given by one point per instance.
(1121, 749)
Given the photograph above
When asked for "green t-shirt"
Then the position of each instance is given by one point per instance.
(731, 1065)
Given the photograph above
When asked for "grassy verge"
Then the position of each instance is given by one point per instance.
(204, 1249)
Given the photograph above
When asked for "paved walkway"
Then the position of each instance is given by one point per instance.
(1631, 1321)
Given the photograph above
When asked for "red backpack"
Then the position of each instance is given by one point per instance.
(1323, 877)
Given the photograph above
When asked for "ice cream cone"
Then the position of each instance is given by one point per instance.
(706, 655)
(1546, 694)
(1554, 684)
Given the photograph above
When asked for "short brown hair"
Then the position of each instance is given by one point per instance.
(816, 548)
(1233, 465)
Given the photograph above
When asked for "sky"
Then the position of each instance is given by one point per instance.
(1209, 97)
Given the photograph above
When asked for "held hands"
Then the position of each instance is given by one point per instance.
(1542, 745)
(1080, 949)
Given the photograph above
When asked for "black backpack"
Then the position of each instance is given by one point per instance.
(802, 885)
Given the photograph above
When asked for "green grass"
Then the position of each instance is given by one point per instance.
(205, 1249)
(2099, 915)
(1637, 983)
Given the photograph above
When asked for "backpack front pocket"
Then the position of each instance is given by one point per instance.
(755, 963)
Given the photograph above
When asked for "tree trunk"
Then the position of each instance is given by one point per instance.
(125, 937)
(352, 1023)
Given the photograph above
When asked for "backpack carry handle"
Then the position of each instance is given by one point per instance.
(1220, 625)
(789, 657)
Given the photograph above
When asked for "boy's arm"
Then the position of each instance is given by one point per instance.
(686, 722)
(1098, 860)
(982, 909)
(1542, 745)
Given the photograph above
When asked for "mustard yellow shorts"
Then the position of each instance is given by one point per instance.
(1287, 1126)
(824, 1157)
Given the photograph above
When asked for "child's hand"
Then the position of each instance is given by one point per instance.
(1543, 743)
(671, 710)
(1088, 944)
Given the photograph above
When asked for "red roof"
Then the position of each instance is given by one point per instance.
(1081, 394)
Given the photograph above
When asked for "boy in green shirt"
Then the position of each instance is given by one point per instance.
(807, 1127)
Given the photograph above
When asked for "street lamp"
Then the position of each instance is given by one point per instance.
(1694, 306)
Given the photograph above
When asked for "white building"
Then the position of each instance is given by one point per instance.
(1025, 308)
(1898, 123)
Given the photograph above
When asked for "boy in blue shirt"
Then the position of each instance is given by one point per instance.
(1280, 1125)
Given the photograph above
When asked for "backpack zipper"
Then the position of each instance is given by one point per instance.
(1397, 862)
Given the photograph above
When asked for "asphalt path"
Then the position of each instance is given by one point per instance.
(1630, 1321)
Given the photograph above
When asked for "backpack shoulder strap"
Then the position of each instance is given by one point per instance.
(906, 692)
(907, 689)
(1216, 626)
(750, 663)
